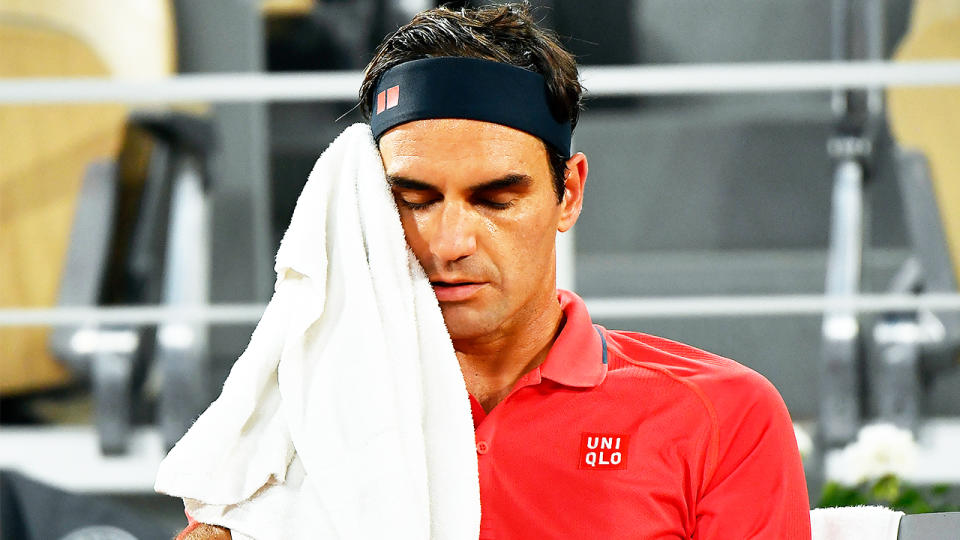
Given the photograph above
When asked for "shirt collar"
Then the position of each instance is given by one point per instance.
(577, 356)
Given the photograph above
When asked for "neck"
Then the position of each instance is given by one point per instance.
(493, 363)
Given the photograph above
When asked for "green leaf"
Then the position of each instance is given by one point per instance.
(835, 495)
(886, 489)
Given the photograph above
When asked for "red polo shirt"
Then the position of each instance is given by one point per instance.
(626, 435)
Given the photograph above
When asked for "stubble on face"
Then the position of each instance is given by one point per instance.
(480, 213)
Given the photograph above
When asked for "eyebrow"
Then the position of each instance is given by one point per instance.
(505, 182)
(508, 181)
(408, 183)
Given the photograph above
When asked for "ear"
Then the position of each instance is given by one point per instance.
(572, 203)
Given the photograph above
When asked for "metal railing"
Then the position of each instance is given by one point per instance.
(598, 82)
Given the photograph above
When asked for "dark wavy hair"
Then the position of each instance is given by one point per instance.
(503, 33)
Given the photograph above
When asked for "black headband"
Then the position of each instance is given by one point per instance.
(471, 88)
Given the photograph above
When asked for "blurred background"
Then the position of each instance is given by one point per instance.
(137, 195)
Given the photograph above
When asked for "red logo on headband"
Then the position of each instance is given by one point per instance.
(388, 98)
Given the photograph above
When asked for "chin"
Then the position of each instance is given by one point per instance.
(466, 323)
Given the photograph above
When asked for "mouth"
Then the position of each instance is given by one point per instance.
(455, 291)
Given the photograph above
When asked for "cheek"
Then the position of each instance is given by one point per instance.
(526, 242)
(538, 226)
(413, 231)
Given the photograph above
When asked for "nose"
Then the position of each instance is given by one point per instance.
(454, 235)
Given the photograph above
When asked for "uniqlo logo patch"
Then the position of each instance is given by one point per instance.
(388, 98)
(603, 451)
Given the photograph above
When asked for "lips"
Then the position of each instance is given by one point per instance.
(456, 291)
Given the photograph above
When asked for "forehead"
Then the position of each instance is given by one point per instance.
(457, 147)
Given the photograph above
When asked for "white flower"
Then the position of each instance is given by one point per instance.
(880, 449)
(804, 441)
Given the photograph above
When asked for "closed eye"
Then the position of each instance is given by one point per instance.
(412, 194)
(498, 194)
(502, 193)
(416, 198)
(495, 204)
(415, 205)
(498, 197)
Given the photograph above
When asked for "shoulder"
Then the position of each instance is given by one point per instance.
(725, 386)
(742, 408)
(681, 361)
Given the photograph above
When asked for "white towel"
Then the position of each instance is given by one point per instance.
(347, 415)
(855, 523)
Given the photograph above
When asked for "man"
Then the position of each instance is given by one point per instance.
(581, 432)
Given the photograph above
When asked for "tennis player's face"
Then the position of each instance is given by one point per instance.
(480, 212)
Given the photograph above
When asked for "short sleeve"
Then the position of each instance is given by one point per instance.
(757, 488)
